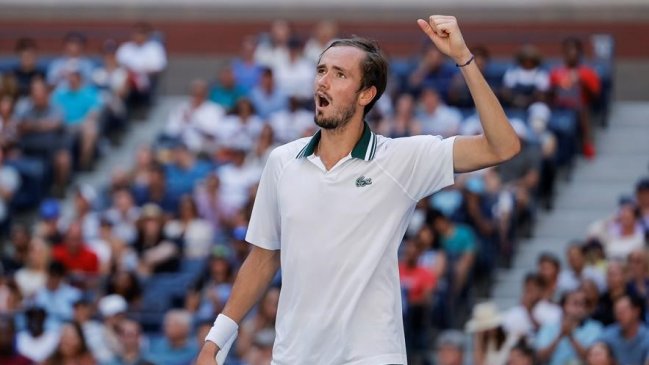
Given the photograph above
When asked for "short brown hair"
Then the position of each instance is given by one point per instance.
(374, 67)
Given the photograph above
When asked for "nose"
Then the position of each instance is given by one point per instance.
(322, 81)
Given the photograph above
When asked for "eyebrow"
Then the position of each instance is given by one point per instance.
(337, 68)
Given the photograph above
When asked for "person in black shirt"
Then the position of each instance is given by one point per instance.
(27, 69)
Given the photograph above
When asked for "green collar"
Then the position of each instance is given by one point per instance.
(365, 148)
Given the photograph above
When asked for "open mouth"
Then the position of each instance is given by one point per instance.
(321, 100)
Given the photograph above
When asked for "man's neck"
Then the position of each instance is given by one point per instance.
(337, 143)
(631, 331)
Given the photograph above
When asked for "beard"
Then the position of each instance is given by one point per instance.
(338, 120)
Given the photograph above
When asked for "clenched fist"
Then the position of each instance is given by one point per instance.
(445, 33)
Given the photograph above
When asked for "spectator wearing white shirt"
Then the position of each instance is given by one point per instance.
(35, 342)
(9, 184)
(436, 117)
(144, 58)
(243, 124)
(113, 82)
(292, 123)
(272, 48)
(196, 122)
(527, 82)
(325, 32)
(237, 177)
(533, 311)
(295, 76)
(571, 278)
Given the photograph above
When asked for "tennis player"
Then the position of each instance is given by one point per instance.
(332, 209)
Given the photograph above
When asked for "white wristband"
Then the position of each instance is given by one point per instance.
(222, 330)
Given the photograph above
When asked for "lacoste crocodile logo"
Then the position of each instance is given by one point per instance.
(363, 181)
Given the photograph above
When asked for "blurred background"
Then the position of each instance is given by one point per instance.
(133, 135)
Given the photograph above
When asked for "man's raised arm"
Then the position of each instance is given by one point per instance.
(253, 279)
(499, 142)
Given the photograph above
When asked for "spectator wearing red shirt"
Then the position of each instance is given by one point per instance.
(74, 254)
(576, 86)
(419, 284)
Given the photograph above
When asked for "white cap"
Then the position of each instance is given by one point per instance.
(111, 305)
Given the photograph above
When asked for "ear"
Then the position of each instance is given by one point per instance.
(367, 95)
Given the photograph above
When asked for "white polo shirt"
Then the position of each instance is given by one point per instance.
(339, 232)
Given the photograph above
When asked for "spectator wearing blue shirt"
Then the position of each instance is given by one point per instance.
(184, 172)
(246, 70)
(567, 342)
(57, 297)
(81, 105)
(176, 347)
(73, 55)
(628, 337)
(266, 97)
(225, 91)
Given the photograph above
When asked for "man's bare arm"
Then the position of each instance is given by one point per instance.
(499, 142)
(253, 279)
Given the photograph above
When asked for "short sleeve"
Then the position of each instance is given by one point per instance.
(264, 227)
(546, 335)
(422, 164)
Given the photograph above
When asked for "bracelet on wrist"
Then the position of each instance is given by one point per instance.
(467, 62)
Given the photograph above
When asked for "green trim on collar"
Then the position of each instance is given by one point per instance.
(365, 148)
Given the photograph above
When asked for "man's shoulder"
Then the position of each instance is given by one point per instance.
(288, 151)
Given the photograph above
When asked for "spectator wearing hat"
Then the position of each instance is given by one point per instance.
(567, 341)
(36, 342)
(628, 337)
(225, 91)
(74, 44)
(112, 308)
(47, 227)
(198, 122)
(176, 347)
(295, 76)
(131, 345)
(32, 277)
(42, 134)
(450, 348)
(267, 97)
(527, 82)
(9, 355)
(81, 105)
(576, 86)
(155, 251)
(491, 344)
(74, 253)
(57, 297)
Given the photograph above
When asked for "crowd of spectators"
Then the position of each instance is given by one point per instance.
(140, 267)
